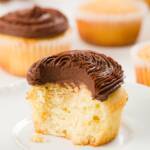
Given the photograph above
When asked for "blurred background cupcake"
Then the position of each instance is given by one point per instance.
(148, 2)
(7, 6)
(4, 1)
(110, 22)
(30, 34)
(141, 58)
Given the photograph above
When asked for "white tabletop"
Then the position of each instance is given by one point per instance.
(121, 54)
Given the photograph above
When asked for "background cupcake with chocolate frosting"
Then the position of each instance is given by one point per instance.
(30, 34)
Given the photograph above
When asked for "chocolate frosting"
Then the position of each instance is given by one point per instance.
(101, 74)
(35, 22)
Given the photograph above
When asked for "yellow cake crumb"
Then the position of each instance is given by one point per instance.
(69, 111)
(37, 138)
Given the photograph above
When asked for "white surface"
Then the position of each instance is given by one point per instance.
(13, 107)
(24, 131)
(135, 133)
(121, 54)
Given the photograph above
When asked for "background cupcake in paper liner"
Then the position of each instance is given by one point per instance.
(141, 58)
(30, 34)
(110, 22)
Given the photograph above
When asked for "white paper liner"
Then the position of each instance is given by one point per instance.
(136, 59)
(21, 54)
(42, 42)
(89, 16)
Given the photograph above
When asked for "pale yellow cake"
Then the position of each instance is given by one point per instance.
(73, 113)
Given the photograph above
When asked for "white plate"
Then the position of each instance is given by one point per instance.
(134, 133)
(23, 133)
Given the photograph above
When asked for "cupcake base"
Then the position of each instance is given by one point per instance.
(18, 54)
(143, 75)
(141, 56)
(110, 23)
(109, 33)
(69, 112)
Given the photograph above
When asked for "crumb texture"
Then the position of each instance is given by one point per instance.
(70, 112)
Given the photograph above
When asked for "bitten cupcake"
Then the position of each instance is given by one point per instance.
(30, 34)
(77, 95)
(110, 22)
(141, 59)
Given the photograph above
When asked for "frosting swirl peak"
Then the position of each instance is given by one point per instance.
(101, 74)
(35, 22)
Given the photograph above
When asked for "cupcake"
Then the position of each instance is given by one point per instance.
(77, 91)
(141, 59)
(148, 2)
(30, 34)
(4, 1)
(109, 22)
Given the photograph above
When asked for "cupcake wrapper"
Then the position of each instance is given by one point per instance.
(142, 68)
(111, 30)
(109, 34)
(143, 9)
(18, 54)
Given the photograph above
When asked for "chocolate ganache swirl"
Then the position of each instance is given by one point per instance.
(35, 22)
(101, 74)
